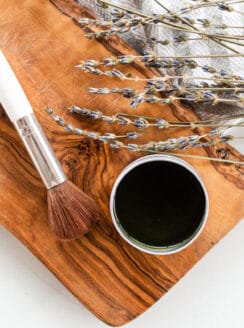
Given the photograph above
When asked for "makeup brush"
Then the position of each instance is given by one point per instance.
(71, 212)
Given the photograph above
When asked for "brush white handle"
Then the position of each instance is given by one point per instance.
(12, 96)
(19, 110)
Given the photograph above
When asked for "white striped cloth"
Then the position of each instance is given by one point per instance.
(138, 37)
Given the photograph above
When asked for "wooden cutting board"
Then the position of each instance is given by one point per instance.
(112, 279)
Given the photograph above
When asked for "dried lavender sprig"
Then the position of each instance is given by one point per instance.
(222, 81)
(106, 137)
(183, 143)
(149, 94)
(129, 59)
(151, 88)
(142, 96)
(192, 141)
(172, 143)
(143, 122)
(119, 145)
(162, 123)
(152, 56)
(150, 147)
(91, 66)
(121, 119)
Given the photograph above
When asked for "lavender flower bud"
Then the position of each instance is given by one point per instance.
(84, 21)
(161, 145)
(162, 124)
(213, 133)
(116, 90)
(132, 135)
(109, 135)
(209, 69)
(78, 131)
(108, 119)
(223, 6)
(207, 143)
(208, 94)
(93, 135)
(152, 145)
(115, 30)
(189, 20)
(84, 111)
(225, 138)
(191, 63)
(103, 91)
(223, 72)
(126, 59)
(172, 141)
(117, 73)
(93, 63)
(137, 100)
(164, 42)
(193, 137)
(205, 22)
(151, 99)
(124, 120)
(55, 117)
(93, 70)
(116, 144)
(69, 127)
(93, 90)
(61, 122)
(128, 92)
(110, 61)
(133, 147)
(140, 123)
(49, 110)
(117, 13)
(96, 114)
(181, 38)
(103, 139)
(108, 73)
(75, 109)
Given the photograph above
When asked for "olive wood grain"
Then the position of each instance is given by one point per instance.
(113, 280)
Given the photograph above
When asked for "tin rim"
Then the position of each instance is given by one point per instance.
(160, 250)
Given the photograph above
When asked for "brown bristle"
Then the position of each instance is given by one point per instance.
(71, 212)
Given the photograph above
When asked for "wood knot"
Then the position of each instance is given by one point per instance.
(223, 153)
(71, 162)
(84, 149)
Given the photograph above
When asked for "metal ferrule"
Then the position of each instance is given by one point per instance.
(40, 151)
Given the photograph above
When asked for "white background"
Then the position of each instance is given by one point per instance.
(211, 295)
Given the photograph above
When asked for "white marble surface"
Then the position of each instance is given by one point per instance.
(210, 295)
